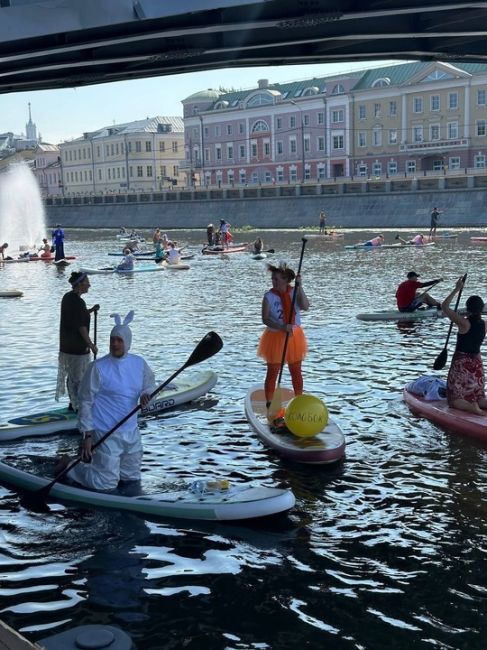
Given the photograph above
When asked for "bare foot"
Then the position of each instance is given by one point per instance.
(61, 464)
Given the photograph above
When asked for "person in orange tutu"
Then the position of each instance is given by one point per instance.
(278, 319)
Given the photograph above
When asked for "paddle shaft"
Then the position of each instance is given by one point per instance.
(456, 309)
(95, 328)
(293, 304)
(430, 287)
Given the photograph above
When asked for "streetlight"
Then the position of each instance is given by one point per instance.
(302, 134)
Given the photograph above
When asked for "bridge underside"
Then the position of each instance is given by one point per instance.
(66, 43)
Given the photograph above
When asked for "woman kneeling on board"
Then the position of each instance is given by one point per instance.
(466, 380)
(110, 389)
(277, 316)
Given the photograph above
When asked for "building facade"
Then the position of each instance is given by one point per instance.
(140, 156)
(394, 120)
(47, 169)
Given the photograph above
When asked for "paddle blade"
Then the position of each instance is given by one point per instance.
(276, 404)
(440, 360)
(270, 250)
(209, 345)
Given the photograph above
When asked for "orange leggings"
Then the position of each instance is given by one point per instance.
(273, 373)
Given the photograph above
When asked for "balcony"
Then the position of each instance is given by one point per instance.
(434, 145)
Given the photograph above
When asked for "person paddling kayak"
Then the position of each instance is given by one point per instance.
(407, 298)
(466, 380)
(276, 316)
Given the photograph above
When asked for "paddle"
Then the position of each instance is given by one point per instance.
(403, 241)
(276, 402)
(95, 328)
(440, 360)
(209, 345)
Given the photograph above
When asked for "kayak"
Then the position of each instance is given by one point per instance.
(418, 314)
(140, 268)
(51, 421)
(218, 503)
(218, 250)
(388, 246)
(11, 293)
(326, 447)
(456, 421)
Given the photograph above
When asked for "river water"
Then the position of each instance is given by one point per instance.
(384, 550)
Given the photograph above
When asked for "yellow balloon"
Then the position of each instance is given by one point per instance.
(306, 416)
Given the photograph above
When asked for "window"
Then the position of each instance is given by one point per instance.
(454, 162)
(267, 149)
(306, 120)
(377, 136)
(99, 174)
(140, 171)
(320, 118)
(230, 151)
(217, 130)
(434, 132)
(481, 97)
(240, 128)
(138, 146)
(280, 175)
(260, 126)
(338, 142)
(207, 155)
(381, 83)
(293, 174)
(131, 172)
(267, 177)
(241, 151)
(452, 101)
(109, 174)
(392, 167)
(435, 102)
(376, 110)
(229, 129)
(411, 166)
(392, 108)
(362, 139)
(107, 151)
(362, 112)
(481, 128)
(279, 146)
(337, 116)
(306, 143)
(479, 161)
(148, 146)
(437, 165)
(206, 131)
(417, 134)
(452, 129)
(321, 143)
(98, 154)
(130, 147)
(392, 136)
(377, 168)
(163, 170)
(338, 89)
(321, 173)
(230, 177)
(112, 150)
(417, 105)
(218, 152)
(253, 149)
(292, 145)
(260, 100)
(242, 176)
(361, 169)
(175, 170)
(307, 173)
(292, 122)
(279, 123)
(174, 147)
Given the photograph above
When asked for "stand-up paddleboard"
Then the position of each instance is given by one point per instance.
(11, 293)
(139, 268)
(326, 447)
(389, 246)
(456, 421)
(185, 389)
(218, 250)
(40, 258)
(417, 314)
(61, 263)
(22, 259)
(239, 501)
(258, 256)
(478, 240)
(326, 237)
(176, 267)
(441, 237)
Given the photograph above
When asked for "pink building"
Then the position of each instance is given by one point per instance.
(47, 169)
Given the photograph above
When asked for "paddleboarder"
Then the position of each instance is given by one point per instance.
(3, 250)
(127, 264)
(435, 215)
(407, 297)
(75, 343)
(322, 223)
(375, 241)
(58, 243)
(258, 246)
(112, 387)
(277, 317)
(466, 380)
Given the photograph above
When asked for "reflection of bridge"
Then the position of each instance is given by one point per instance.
(65, 43)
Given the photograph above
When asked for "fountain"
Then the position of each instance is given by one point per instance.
(22, 217)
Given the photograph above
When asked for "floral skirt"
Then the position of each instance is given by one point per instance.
(466, 378)
(271, 346)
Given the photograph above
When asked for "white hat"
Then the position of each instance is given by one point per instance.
(122, 330)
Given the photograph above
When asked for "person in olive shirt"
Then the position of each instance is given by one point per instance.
(75, 343)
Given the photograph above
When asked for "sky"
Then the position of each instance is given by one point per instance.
(66, 114)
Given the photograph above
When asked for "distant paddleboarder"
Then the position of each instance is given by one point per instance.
(58, 243)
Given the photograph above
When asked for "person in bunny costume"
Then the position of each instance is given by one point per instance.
(111, 387)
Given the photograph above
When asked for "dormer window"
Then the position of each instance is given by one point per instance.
(338, 89)
(261, 99)
(312, 90)
(381, 83)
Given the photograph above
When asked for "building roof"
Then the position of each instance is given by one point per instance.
(148, 125)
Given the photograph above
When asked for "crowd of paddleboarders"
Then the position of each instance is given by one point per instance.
(46, 251)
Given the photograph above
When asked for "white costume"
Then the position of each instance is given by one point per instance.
(173, 256)
(110, 389)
